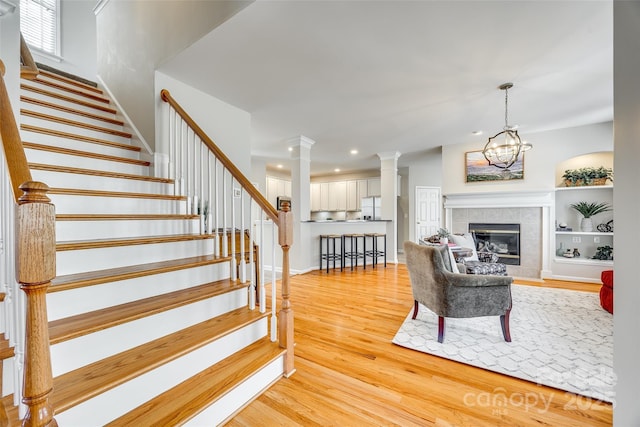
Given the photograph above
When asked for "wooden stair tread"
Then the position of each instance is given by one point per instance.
(86, 323)
(84, 103)
(122, 217)
(56, 75)
(94, 172)
(58, 107)
(184, 401)
(121, 194)
(71, 152)
(83, 93)
(84, 383)
(108, 243)
(72, 281)
(77, 137)
(6, 351)
(75, 123)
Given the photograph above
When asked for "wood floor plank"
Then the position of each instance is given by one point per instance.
(349, 372)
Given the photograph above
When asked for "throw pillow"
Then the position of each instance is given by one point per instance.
(466, 241)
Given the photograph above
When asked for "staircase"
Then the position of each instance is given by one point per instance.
(149, 322)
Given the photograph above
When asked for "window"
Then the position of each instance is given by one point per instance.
(39, 24)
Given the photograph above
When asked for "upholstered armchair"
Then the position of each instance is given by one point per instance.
(455, 295)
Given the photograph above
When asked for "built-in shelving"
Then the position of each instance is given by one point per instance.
(583, 267)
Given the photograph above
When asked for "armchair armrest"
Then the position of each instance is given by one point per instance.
(472, 280)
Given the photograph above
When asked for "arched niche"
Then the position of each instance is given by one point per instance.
(601, 158)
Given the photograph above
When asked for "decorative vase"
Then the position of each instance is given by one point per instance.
(560, 250)
(444, 240)
(586, 225)
(576, 253)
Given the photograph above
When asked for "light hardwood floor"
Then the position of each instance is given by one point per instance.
(350, 374)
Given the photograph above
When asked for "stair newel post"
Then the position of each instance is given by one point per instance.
(285, 316)
(36, 265)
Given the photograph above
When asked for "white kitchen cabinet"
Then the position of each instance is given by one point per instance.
(324, 196)
(338, 196)
(277, 187)
(315, 197)
(373, 187)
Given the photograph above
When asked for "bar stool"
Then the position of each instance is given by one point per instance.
(352, 252)
(375, 252)
(329, 254)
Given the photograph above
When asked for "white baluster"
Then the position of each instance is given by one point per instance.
(274, 319)
(263, 298)
(243, 263)
(252, 275)
(234, 252)
(225, 242)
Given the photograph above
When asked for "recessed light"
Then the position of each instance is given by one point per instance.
(476, 132)
(354, 151)
(290, 148)
(279, 166)
(336, 170)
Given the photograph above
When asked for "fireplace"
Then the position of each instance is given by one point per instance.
(501, 239)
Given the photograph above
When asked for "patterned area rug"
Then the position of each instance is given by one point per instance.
(560, 338)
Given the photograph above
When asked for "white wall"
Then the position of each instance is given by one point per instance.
(10, 54)
(136, 37)
(626, 320)
(549, 149)
(77, 40)
(229, 127)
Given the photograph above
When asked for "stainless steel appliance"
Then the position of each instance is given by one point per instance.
(370, 208)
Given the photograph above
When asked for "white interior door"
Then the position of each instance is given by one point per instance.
(428, 209)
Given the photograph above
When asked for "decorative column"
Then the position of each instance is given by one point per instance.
(300, 196)
(389, 199)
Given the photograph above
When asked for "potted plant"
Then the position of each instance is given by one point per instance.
(587, 210)
(587, 176)
(444, 235)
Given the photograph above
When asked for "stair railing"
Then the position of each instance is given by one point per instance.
(223, 198)
(35, 267)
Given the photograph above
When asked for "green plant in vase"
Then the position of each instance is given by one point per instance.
(444, 235)
(587, 210)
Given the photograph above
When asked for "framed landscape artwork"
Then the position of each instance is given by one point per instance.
(478, 169)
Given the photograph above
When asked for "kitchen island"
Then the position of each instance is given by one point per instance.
(305, 251)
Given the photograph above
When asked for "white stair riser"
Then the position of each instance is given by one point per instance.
(91, 298)
(50, 158)
(238, 397)
(61, 91)
(77, 204)
(104, 229)
(74, 144)
(63, 127)
(120, 400)
(78, 261)
(96, 182)
(69, 104)
(84, 350)
(70, 115)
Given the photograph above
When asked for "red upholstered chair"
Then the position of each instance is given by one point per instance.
(606, 291)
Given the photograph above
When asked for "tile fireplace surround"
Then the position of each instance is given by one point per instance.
(529, 209)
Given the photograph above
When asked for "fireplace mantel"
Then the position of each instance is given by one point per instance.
(501, 199)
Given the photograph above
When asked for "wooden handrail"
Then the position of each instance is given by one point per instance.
(19, 172)
(235, 172)
(29, 69)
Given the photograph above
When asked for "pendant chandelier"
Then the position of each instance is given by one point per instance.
(502, 150)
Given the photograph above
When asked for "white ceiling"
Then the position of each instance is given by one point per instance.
(405, 76)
